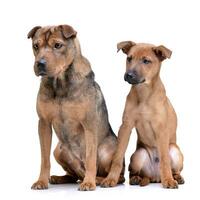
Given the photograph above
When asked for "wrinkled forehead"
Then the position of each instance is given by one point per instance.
(142, 50)
(47, 34)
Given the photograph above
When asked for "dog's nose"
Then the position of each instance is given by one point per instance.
(41, 66)
(131, 77)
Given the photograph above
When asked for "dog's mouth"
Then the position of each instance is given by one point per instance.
(132, 82)
(42, 73)
(138, 82)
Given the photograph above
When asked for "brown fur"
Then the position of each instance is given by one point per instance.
(70, 101)
(157, 156)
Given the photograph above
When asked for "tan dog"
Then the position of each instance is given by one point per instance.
(71, 102)
(157, 157)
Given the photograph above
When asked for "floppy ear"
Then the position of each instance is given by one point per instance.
(33, 31)
(68, 31)
(125, 46)
(162, 52)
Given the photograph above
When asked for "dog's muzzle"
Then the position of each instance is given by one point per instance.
(41, 65)
(133, 78)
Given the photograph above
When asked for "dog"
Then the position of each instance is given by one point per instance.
(71, 102)
(157, 157)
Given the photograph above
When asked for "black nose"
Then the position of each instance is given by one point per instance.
(131, 77)
(42, 66)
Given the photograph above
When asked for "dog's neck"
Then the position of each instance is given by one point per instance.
(154, 89)
(67, 84)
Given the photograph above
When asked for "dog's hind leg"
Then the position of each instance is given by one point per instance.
(62, 179)
(106, 151)
(68, 163)
(137, 175)
(176, 162)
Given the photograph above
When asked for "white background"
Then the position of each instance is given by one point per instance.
(100, 25)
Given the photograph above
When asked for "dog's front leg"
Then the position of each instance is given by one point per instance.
(162, 139)
(45, 136)
(117, 161)
(90, 160)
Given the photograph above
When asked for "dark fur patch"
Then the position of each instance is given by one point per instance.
(156, 160)
(90, 75)
(71, 86)
(47, 35)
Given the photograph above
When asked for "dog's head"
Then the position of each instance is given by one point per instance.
(53, 48)
(143, 61)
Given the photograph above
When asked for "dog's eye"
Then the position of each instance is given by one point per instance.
(58, 45)
(146, 61)
(129, 58)
(36, 47)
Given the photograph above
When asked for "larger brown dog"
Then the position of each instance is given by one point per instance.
(157, 157)
(71, 101)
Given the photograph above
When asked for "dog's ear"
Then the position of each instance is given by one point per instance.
(125, 46)
(162, 52)
(67, 31)
(33, 31)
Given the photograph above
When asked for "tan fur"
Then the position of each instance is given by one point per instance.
(70, 102)
(157, 156)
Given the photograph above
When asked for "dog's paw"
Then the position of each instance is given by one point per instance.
(87, 186)
(109, 182)
(170, 183)
(145, 181)
(179, 179)
(39, 185)
(99, 180)
(54, 180)
(135, 180)
(62, 179)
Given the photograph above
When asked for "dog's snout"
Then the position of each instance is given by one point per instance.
(132, 77)
(41, 64)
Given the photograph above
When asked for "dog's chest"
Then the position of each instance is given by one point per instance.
(67, 121)
(143, 112)
(143, 124)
